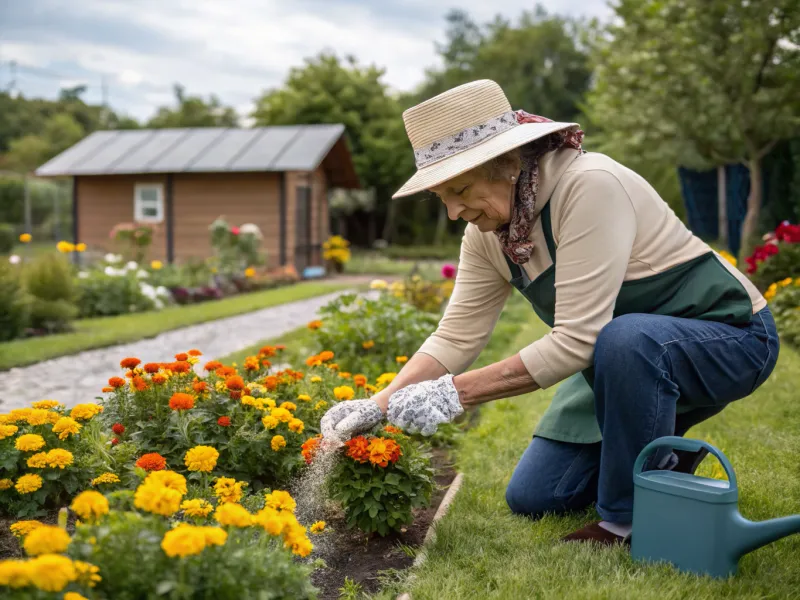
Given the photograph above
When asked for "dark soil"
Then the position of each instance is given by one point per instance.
(10, 547)
(362, 558)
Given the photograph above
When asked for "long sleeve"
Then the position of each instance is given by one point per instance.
(475, 305)
(594, 230)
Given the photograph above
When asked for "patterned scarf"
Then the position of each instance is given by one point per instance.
(514, 236)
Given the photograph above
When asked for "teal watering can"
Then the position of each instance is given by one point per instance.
(694, 522)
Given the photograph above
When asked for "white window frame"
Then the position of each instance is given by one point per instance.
(138, 205)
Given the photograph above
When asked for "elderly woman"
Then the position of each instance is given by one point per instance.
(652, 332)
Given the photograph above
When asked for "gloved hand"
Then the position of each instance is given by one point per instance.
(350, 417)
(421, 407)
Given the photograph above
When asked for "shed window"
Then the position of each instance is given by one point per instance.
(148, 202)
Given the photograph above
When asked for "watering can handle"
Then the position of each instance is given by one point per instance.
(690, 445)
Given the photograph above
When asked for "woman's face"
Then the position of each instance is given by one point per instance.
(474, 198)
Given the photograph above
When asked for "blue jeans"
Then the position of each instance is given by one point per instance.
(644, 364)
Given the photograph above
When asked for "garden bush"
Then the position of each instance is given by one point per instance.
(15, 309)
(101, 295)
(49, 281)
(8, 238)
(784, 299)
(777, 259)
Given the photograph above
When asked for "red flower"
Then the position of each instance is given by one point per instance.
(114, 441)
(224, 421)
(235, 395)
(152, 367)
(448, 271)
(212, 365)
(280, 347)
(788, 233)
(358, 449)
(225, 372)
(234, 383)
(116, 382)
(200, 387)
(180, 367)
(152, 462)
(118, 428)
(267, 351)
(181, 356)
(309, 448)
(129, 363)
(181, 401)
(235, 230)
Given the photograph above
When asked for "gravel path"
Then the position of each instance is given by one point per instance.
(80, 377)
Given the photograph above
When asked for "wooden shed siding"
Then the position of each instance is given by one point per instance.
(320, 232)
(105, 201)
(239, 197)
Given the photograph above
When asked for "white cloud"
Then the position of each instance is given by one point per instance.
(237, 50)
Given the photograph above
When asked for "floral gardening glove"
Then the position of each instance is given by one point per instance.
(421, 407)
(350, 417)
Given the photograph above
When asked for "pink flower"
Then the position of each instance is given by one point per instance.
(448, 271)
(235, 230)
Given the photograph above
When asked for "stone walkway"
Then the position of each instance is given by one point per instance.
(80, 377)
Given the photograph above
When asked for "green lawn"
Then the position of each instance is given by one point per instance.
(483, 551)
(371, 263)
(107, 331)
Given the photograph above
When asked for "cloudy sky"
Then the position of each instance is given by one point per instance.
(234, 48)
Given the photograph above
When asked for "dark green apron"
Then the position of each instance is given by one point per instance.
(701, 288)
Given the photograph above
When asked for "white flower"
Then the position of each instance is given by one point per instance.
(112, 258)
(112, 272)
(251, 229)
(132, 266)
(83, 274)
(162, 291)
(142, 274)
(14, 259)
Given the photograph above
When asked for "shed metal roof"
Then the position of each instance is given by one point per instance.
(200, 149)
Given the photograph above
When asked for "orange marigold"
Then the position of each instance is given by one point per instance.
(267, 351)
(382, 451)
(224, 421)
(392, 429)
(251, 363)
(139, 384)
(194, 352)
(266, 363)
(314, 324)
(313, 361)
(107, 389)
(152, 462)
(181, 357)
(358, 449)
(200, 387)
(326, 355)
(129, 363)
(212, 365)
(159, 378)
(309, 448)
(234, 383)
(271, 382)
(225, 372)
(280, 347)
(152, 367)
(180, 367)
(360, 380)
(116, 382)
(181, 401)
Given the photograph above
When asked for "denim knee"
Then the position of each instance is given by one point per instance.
(529, 503)
(622, 339)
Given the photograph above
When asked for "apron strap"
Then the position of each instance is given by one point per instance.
(547, 229)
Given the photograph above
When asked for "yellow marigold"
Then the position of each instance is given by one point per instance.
(254, 402)
(314, 325)
(333, 367)
(270, 422)
(58, 458)
(378, 284)
(88, 574)
(316, 379)
(38, 416)
(318, 527)
(304, 398)
(269, 402)
(280, 500)
(344, 392)
(47, 539)
(295, 538)
(215, 536)
(201, 458)
(52, 572)
(84, 412)
(386, 379)
(283, 415)
(156, 264)
(7, 431)
(183, 541)
(401, 359)
(320, 405)
(30, 442)
(90, 505)
(157, 499)
(288, 405)
(46, 404)
(235, 515)
(369, 344)
(5, 484)
(171, 479)
(19, 414)
(66, 426)
(370, 388)
(278, 442)
(25, 238)
(227, 489)
(74, 596)
(196, 507)
(296, 425)
(272, 521)
(15, 573)
(28, 483)
(785, 282)
(38, 460)
(106, 478)
(22, 528)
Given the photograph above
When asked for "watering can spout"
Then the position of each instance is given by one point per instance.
(753, 535)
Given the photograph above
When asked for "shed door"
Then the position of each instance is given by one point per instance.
(303, 250)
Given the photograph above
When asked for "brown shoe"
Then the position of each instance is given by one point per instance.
(594, 533)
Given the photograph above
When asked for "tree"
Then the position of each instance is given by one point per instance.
(59, 132)
(703, 82)
(193, 111)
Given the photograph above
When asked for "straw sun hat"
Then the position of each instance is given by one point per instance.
(462, 128)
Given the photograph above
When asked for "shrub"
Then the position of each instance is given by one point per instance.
(783, 263)
(134, 239)
(380, 479)
(101, 295)
(8, 238)
(367, 335)
(15, 308)
(784, 299)
(48, 279)
(336, 250)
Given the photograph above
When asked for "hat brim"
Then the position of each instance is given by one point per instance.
(453, 166)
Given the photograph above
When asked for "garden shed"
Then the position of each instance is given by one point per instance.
(180, 180)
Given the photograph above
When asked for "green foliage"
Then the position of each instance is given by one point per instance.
(786, 263)
(785, 308)
(443, 252)
(395, 327)
(380, 499)
(48, 279)
(193, 111)
(101, 295)
(43, 196)
(134, 239)
(15, 311)
(235, 248)
(8, 238)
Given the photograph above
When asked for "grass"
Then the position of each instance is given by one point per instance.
(483, 551)
(108, 331)
(364, 263)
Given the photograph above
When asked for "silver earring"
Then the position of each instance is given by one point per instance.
(513, 179)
